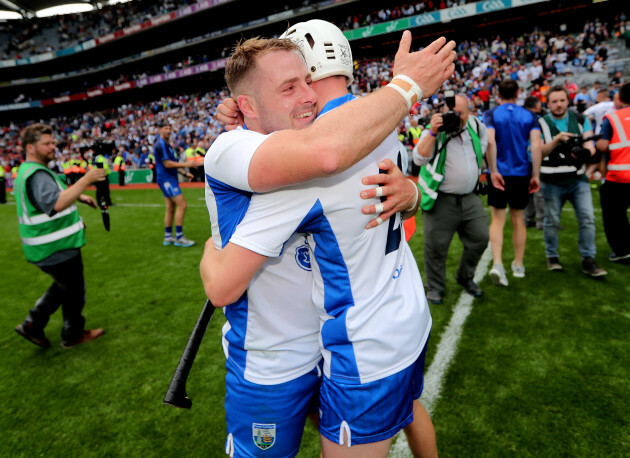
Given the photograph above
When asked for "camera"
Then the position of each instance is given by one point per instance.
(450, 119)
(575, 148)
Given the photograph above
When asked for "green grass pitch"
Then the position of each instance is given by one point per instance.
(542, 369)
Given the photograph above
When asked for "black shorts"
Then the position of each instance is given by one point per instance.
(516, 193)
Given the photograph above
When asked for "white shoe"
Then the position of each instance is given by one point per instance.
(168, 241)
(497, 274)
(184, 242)
(518, 271)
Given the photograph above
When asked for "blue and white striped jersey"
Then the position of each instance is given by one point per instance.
(272, 331)
(366, 285)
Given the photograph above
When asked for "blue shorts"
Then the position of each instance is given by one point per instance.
(170, 188)
(371, 412)
(268, 420)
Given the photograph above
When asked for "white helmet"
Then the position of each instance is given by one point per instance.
(325, 48)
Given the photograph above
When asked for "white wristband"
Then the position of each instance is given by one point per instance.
(417, 195)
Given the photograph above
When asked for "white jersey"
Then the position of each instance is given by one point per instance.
(597, 112)
(272, 331)
(366, 285)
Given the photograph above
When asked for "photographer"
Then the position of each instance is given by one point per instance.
(563, 176)
(451, 151)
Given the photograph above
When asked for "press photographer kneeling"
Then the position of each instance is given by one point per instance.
(451, 151)
(563, 177)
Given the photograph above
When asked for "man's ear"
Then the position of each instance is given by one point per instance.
(247, 105)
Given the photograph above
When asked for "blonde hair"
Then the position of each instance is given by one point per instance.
(242, 63)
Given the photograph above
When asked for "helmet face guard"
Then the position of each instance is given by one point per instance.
(326, 49)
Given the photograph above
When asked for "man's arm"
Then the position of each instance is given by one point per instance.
(226, 274)
(491, 157)
(427, 142)
(74, 192)
(536, 154)
(331, 144)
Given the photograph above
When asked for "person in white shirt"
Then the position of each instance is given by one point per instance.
(284, 99)
(602, 107)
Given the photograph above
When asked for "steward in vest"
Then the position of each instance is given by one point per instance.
(414, 131)
(449, 174)
(563, 178)
(120, 167)
(52, 234)
(614, 194)
(194, 160)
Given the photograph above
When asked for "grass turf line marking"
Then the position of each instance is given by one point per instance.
(446, 349)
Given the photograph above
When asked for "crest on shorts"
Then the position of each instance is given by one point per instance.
(264, 435)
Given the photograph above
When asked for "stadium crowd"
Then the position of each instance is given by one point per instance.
(535, 60)
(525, 57)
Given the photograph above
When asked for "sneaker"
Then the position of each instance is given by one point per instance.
(518, 271)
(184, 242)
(554, 264)
(168, 241)
(434, 297)
(497, 274)
(622, 259)
(87, 336)
(27, 331)
(590, 267)
(471, 287)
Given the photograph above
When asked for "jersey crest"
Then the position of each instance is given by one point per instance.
(303, 257)
(264, 435)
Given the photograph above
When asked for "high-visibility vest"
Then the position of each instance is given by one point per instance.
(432, 174)
(119, 164)
(43, 235)
(101, 158)
(415, 134)
(14, 172)
(618, 168)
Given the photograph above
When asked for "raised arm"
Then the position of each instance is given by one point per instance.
(74, 192)
(331, 144)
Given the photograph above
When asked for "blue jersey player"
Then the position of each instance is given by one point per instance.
(166, 165)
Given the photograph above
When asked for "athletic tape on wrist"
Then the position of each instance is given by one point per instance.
(417, 195)
(406, 87)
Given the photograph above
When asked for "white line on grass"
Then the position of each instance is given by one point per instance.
(446, 349)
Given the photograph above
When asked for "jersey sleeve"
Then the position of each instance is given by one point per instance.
(229, 157)
(272, 218)
(43, 192)
(535, 123)
(606, 130)
(160, 152)
(488, 119)
(587, 124)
